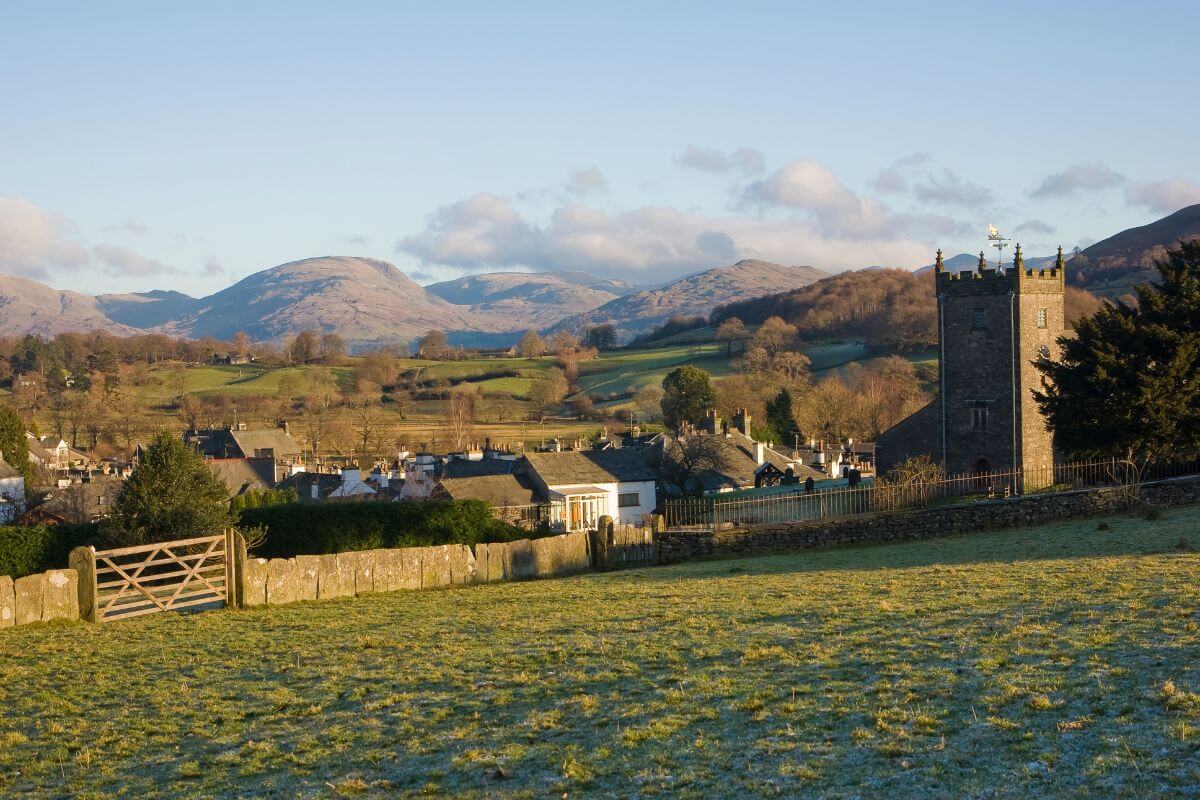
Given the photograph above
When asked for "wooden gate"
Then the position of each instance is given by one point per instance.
(131, 581)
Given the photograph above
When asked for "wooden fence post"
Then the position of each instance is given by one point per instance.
(83, 561)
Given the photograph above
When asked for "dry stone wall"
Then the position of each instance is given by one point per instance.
(676, 546)
(42, 597)
(279, 581)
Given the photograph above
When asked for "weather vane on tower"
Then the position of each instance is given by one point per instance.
(999, 242)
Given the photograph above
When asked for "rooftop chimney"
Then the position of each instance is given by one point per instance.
(741, 421)
(760, 453)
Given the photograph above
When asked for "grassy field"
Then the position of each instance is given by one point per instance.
(1061, 661)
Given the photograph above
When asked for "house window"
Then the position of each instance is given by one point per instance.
(1041, 317)
(628, 500)
(979, 319)
(979, 417)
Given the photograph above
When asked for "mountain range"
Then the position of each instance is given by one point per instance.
(367, 301)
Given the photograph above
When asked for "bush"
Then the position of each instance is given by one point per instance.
(315, 529)
(25, 551)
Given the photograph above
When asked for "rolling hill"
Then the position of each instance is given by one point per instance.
(538, 299)
(30, 307)
(694, 295)
(1111, 267)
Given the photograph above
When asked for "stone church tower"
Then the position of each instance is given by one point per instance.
(993, 325)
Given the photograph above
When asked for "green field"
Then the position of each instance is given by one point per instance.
(1061, 661)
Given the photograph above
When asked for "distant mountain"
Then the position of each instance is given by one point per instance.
(964, 262)
(29, 307)
(536, 299)
(1111, 267)
(694, 295)
(147, 309)
(361, 299)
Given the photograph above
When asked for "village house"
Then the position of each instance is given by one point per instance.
(241, 475)
(76, 501)
(345, 483)
(743, 462)
(580, 486)
(239, 442)
(53, 454)
(12, 493)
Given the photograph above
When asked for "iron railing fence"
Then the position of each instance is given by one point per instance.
(710, 511)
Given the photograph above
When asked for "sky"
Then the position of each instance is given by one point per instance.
(187, 145)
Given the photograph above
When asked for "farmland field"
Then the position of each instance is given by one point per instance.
(1060, 661)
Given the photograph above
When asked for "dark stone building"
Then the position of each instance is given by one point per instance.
(993, 326)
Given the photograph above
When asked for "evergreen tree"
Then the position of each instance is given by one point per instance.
(1128, 384)
(780, 418)
(13, 446)
(687, 396)
(172, 494)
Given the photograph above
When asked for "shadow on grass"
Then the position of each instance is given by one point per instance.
(1083, 538)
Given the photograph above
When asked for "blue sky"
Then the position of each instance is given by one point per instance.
(188, 145)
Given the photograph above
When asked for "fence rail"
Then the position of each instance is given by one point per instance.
(707, 512)
(128, 582)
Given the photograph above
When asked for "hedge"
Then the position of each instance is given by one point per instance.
(294, 529)
(27, 550)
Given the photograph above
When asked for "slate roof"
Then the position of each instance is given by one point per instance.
(224, 443)
(462, 468)
(499, 490)
(7, 470)
(590, 466)
(243, 474)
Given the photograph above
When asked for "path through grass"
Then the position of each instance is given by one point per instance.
(1061, 661)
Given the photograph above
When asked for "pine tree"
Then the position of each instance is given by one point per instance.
(14, 449)
(1128, 384)
(172, 494)
(780, 418)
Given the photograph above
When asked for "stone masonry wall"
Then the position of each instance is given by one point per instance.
(676, 546)
(42, 597)
(278, 581)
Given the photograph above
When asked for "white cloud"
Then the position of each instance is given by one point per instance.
(1163, 197)
(123, 262)
(809, 186)
(745, 160)
(1077, 179)
(894, 178)
(213, 268)
(33, 242)
(1035, 226)
(486, 232)
(353, 238)
(131, 227)
(946, 188)
(584, 182)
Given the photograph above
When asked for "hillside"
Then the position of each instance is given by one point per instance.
(1049, 662)
(1113, 266)
(889, 307)
(362, 299)
(537, 299)
(30, 307)
(694, 295)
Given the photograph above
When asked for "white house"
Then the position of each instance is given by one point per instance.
(12, 493)
(583, 485)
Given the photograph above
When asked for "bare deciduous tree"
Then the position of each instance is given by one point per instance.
(686, 458)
